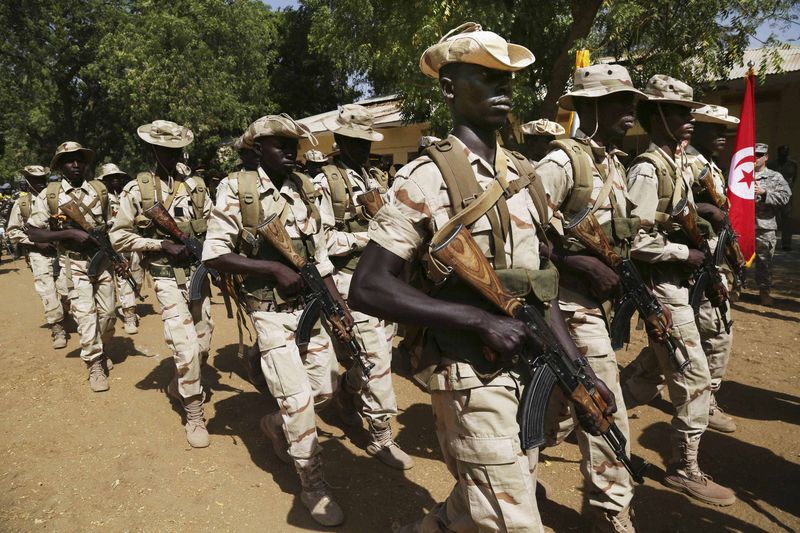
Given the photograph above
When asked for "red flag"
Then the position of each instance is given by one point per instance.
(741, 188)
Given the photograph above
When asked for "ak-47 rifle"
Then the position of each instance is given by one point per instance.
(317, 296)
(105, 252)
(371, 201)
(635, 294)
(161, 217)
(726, 240)
(547, 361)
(707, 279)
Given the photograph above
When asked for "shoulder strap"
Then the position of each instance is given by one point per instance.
(198, 197)
(249, 204)
(535, 187)
(666, 179)
(53, 188)
(25, 206)
(338, 185)
(309, 194)
(581, 194)
(102, 195)
(147, 189)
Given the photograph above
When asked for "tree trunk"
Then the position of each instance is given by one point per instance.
(583, 15)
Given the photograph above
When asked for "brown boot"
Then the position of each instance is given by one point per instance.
(684, 475)
(717, 419)
(196, 432)
(316, 494)
(130, 321)
(607, 521)
(765, 298)
(272, 426)
(385, 449)
(98, 376)
(59, 335)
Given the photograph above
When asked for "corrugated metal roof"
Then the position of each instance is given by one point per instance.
(790, 62)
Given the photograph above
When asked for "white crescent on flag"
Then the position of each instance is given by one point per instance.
(741, 178)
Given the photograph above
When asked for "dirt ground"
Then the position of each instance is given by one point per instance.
(73, 460)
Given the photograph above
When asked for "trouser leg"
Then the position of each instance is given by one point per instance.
(765, 250)
(45, 285)
(378, 398)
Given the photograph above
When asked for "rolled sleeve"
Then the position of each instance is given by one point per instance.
(555, 171)
(224, 223)
(123, 233)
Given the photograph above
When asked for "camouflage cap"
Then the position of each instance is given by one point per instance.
(761, 148)
(427, 140)
(663, 89)
(109, 169)
(543, 127)
(315, 156)
(276, 126)
(353, 120)
(165, 133)
(714, 114)
(598, 80)
(35, 171)
(69, 147)
(469, 43)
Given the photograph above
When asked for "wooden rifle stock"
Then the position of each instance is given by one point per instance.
(590, 234)
(273, 232)
(371, 201)
(159, 214)
(707, 180)
(73, 212)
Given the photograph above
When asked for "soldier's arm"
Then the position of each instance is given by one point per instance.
(38, 227)
(15, 229)
(339, 243)
(123, 233)
(777, 192)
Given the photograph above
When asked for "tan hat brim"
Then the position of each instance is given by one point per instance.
(685, 103)
(333, 125)
(104, 176)
(144, 134)
(707, 119)
(88, 155)
(519, 58)
(566, 101)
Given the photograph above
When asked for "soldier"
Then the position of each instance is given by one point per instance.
(657, 181)
(582, 172)
(115, 180)
(42, 257)
(270, 292)
(772, 193)
(345, 223)
(474, 401)
(91, 297)
(314, 162)
(787, 167)
(187, 324)
(537, 136)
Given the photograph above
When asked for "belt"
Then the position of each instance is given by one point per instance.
(77, 255)
(167, 271)
(268, 306)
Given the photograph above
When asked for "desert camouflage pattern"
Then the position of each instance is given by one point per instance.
(475, 421)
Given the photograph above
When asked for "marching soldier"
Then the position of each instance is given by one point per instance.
(345, 223)
(115, 180)
(300, 381)
(579, 173)
(91, 296)
(537, 136)
(47, 282)
(772, 194)
(314, 162)
(187, 324)
(658, 181)
(475, 401)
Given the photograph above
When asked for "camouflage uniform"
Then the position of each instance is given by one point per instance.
(125, 294)
(476, 420)
(608, 484)
(768, 206)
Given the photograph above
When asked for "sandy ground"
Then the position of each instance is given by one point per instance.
(73, 460)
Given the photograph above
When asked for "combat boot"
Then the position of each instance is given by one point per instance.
(316, 494)
(59, 335)
(98, 376)
(607, 521)
(384, 448)
(765, 298)
(346, 403)
(130, 321)
(196, 432)
(272, 426)
(684, 475)
(717, 419)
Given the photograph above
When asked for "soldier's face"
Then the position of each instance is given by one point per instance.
(478, 95)
(618, 112)
(353, 150)
(37, 183)
(115, 183)
(168, 157)
(537, 146)
(278, 154)
(709, 137)
(73, 167)
(679, 121)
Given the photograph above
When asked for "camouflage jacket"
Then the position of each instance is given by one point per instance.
(776, 196)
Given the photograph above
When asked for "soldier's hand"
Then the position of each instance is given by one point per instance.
(713, 214)
(602, 281)
(660, 334)
(759, 190)
(695, 259)
(289, 282)
(175, 250)
(79, 237)
(44, 246)
(503, 337)
(591, 421)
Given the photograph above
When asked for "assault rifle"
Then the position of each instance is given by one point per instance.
(707, 279)
(161, 217)
(727, 243)
(547, 361)
(371, 202)
(317, 296)
(105, 252)
(635, 294)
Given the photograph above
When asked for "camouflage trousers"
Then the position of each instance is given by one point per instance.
(187, 331)
(377, 396)
(607, 484)
(48, 287)
(766, 241)
(477, 429)
(91, 305)
(689, 391)
(125, 293)
(296, 380)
